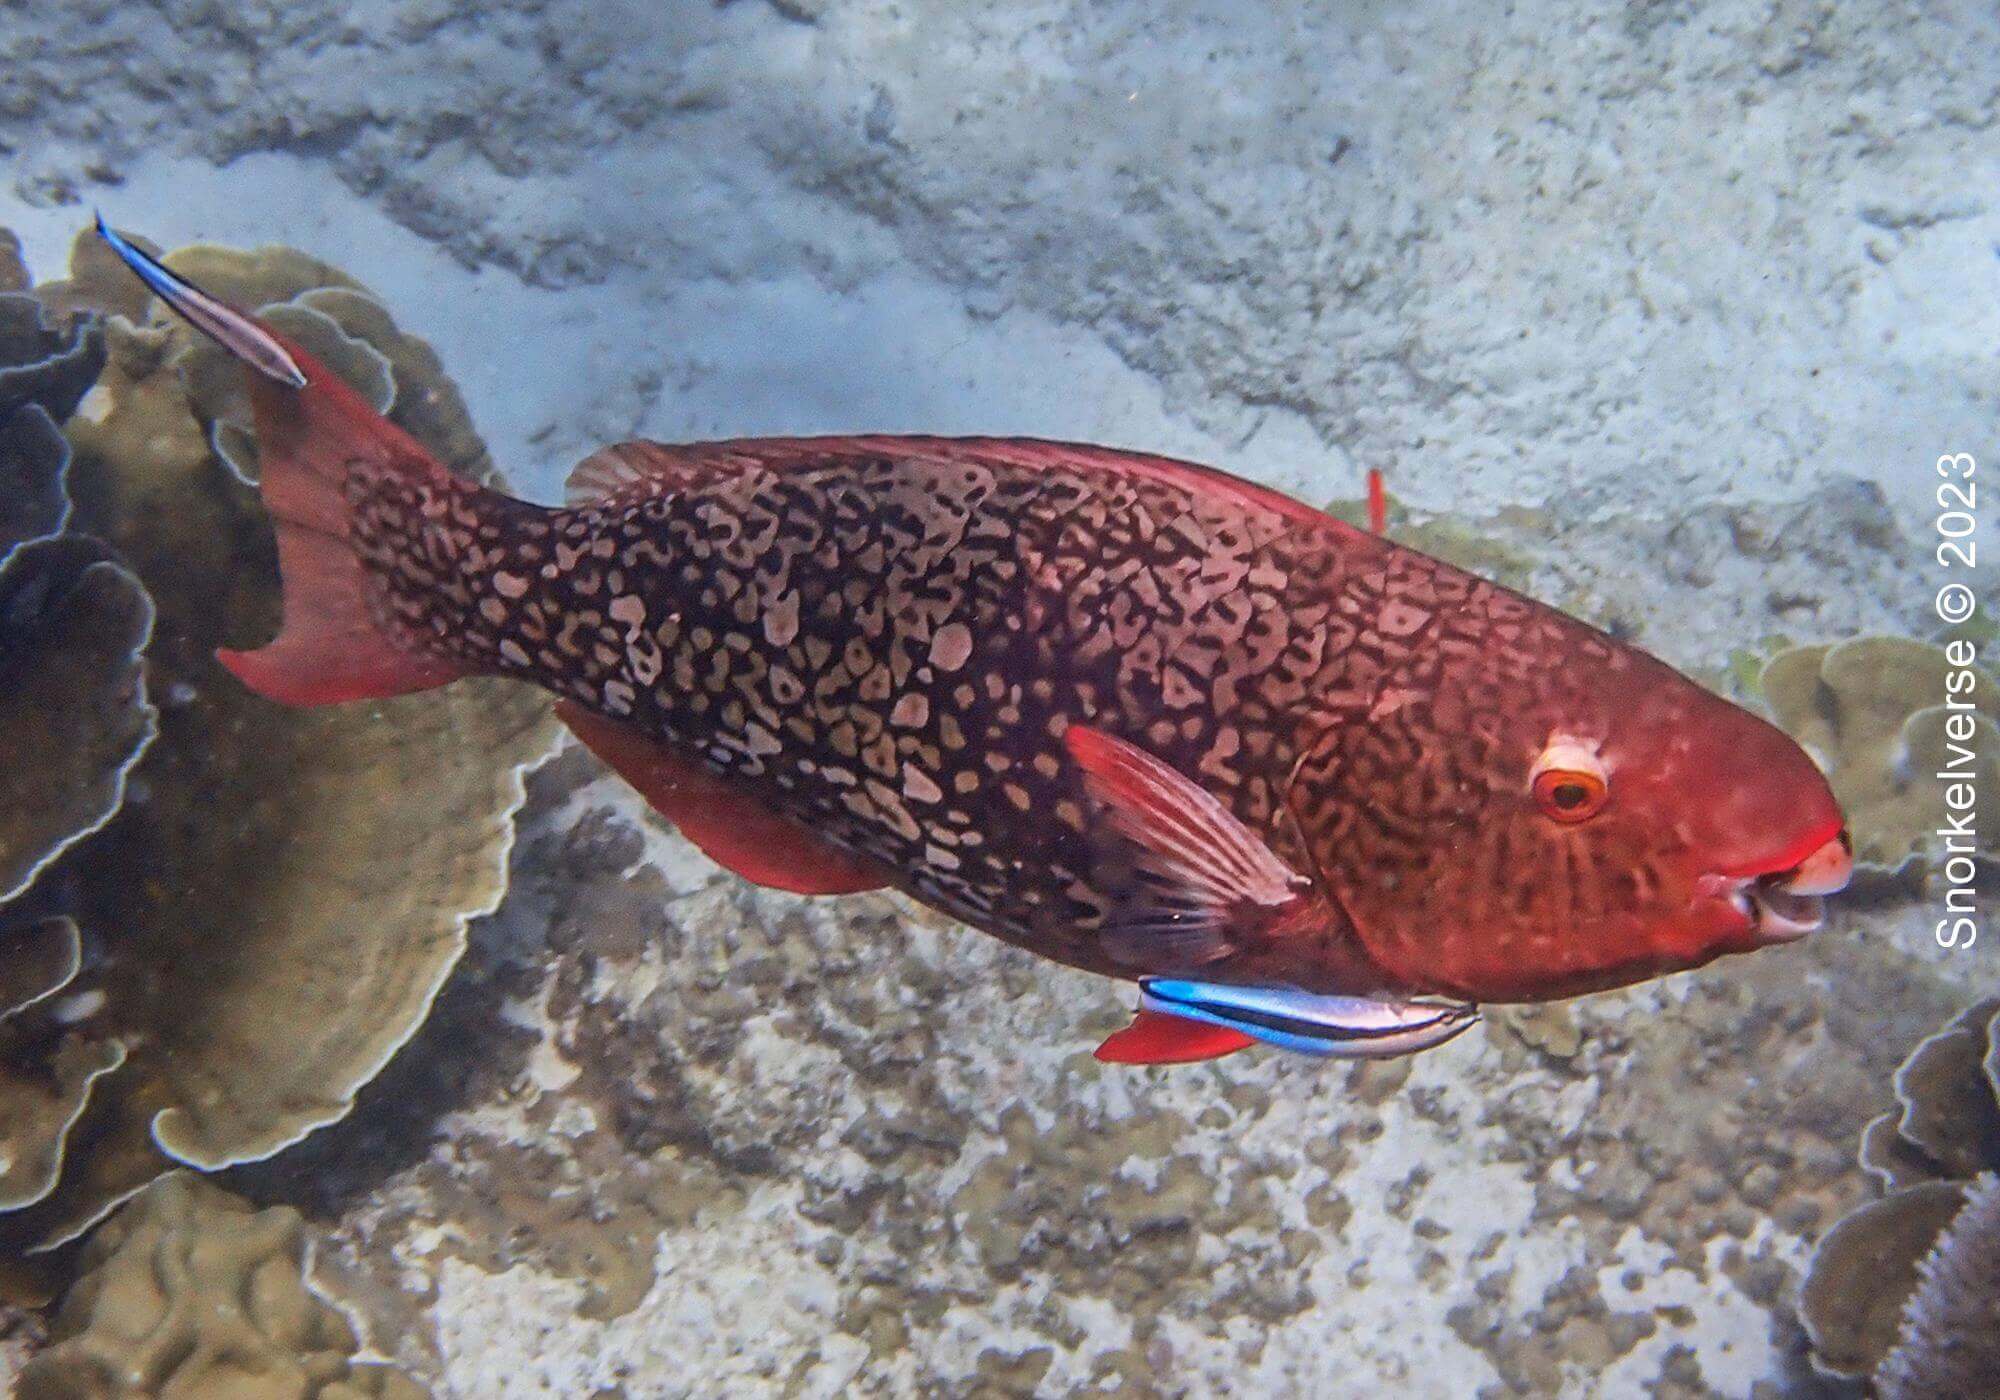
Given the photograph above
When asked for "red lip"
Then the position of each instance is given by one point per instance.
(1796, 855)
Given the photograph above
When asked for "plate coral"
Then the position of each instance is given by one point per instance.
(1903, 1288)
(1872, 713)
(268, 912)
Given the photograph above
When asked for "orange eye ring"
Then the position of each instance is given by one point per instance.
(1570, 795)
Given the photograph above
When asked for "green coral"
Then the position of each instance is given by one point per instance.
(74, 719)
(217, 395)
(73, 703)
(47, 1071)
(338, 320)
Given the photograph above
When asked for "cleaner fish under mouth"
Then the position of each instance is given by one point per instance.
(1305, 786)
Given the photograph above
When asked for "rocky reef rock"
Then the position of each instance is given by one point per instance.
(853, 1148)
(1489, 548)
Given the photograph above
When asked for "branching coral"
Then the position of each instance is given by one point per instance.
(190, 1292)
(1892, 1286)
(1873, 712)
(274, 919)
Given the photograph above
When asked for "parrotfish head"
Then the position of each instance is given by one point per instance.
(1535, 810)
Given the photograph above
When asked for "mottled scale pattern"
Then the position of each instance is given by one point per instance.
(888, 644)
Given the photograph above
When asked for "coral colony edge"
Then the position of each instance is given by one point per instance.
(1305, 786)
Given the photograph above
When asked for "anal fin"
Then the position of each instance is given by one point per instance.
(733, 828)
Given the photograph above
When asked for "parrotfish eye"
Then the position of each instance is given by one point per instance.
(1568, 782)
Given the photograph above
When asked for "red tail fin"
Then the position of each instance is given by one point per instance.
(331, 648)
(313, 433)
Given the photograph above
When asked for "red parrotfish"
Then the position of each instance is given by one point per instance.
(1135, 715)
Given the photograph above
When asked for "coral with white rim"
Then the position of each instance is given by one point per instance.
(302, 904)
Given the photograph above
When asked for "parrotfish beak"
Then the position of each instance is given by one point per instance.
(1783, 906)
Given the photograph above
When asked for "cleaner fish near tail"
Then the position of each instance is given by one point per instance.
(1303, 785)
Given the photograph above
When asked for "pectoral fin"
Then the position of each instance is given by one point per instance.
(1205, 879)
(732, 827)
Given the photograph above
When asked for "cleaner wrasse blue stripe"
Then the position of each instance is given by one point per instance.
(235, 331)
(1362, 1028)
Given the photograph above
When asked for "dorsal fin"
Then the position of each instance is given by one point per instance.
(623, 466)
(619, 467)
